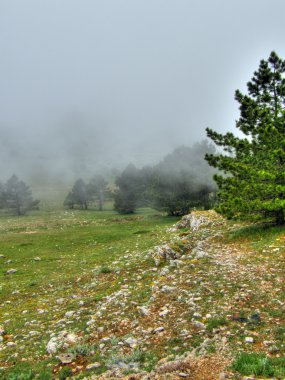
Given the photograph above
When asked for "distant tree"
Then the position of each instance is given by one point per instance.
(97, 190)
(78, 195)
(129, 192)
(69, 201)
(183, 180)
(180, 182)
(18, 196)
(2, 196)
(254, 166)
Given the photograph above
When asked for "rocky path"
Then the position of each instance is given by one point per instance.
(182, 310)
(208, 300)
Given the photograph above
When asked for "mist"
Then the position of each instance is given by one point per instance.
(88, 86)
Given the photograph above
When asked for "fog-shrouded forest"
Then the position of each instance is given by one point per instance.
(142, 189)
(90, 87)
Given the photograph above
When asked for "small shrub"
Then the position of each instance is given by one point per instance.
(83, 349)
(45, 374)
(105, 270)
(65, 373)
(21, 376)
(214, 323)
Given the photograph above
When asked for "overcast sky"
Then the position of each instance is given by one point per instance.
(123, 80)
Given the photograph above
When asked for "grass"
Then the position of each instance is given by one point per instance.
(67, 255)
(214, 323)
(259, 364)
(258, 235)
(89, 273)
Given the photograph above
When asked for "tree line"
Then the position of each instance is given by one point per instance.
(83, 194)
(180, 182)
(248, 172)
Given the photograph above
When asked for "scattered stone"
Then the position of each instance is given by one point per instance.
(164, 313)
(164, 271)
(2, 331)
(158, 330)
(273, 349)
(66, 358)
(11, 271)
(176, 263)
(200, 254)
(71, 338)
(11, 344)
(167, 289)
(52, 346)
(69, 314)
(200, 325)
(132, 342)
(93, 366)
(143, 310)
(268, 343)
(163, 253)
(34, 333)
(105, 339)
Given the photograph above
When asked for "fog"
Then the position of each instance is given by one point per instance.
(89, 85)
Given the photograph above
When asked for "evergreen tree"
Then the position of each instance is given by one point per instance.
(253, 184)
(97, 189)
(78, 195)
(2, 196)
(18, 196)
(69, 200)
(129, 191)
(183, 180)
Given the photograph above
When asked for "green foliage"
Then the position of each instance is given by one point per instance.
(105, 270)
(214, 323)
(254, 184)
(17, 197)
(78, 195)
(65, 373)
(19, 374)
(259, 364)
(129, 190)
(97, 189)
(181, 182)
(83, 194)
(83, 349)
(45, 374)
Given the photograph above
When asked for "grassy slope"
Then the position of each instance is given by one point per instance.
(70, 246)
(236, 292)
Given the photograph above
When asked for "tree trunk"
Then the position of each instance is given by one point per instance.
(280, 217)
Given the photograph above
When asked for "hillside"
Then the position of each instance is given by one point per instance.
(177, 302)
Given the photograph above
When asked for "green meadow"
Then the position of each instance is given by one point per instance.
(56, 255)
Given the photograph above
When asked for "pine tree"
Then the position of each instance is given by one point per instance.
(78, 195)
(18, 196)
(253, 180)
(129, 191)
(97, 189)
